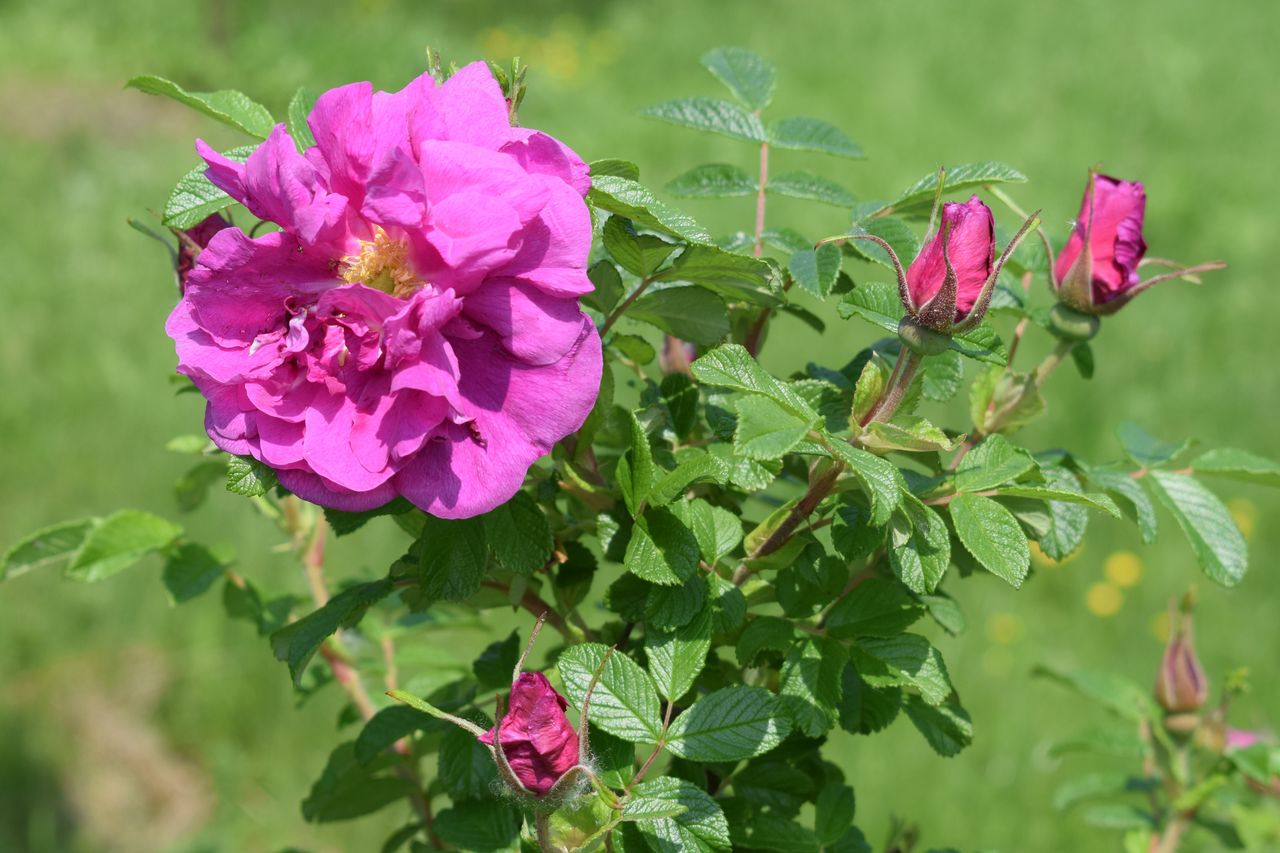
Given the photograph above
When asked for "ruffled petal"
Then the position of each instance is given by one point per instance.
(534, 327)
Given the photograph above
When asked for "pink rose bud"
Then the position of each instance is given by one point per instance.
(1099, 264)
(676, 355)
(537, 739)
(1181, 685)
(966, 241)
(1242, 738)
(192, 241)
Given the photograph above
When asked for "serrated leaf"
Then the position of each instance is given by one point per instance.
(815, 270)
(297, 642)
(690, 313)
(300, 106)
(249, 477)
(762, 633)
(811, 187)
(1216, 541)
(833, 812)
(729, 724)
(909, 433)
(1139, 507)
(877, 303)
(917, 199)
(700, 828)
(874, 608)
(346, 789)
(228, 106)
(992, 535)
(662, 549)
(731, 366)
(813, 134)
(608, 286)
(676, 657)
(633, 347)
(119, 541)
(747, 75)
(1067, 521)
(636, 202)
(1238, 465)
(466, 767)
(941, 375)
(613, 167)
(1145, 449)
(452, 558)
(992, 463)
(518, 535)
(738, 278)
(713, 180)
(195, 198)
(624, 702)
(49, 546)
(907, 660)
(667, 608)
(389, 725)
(673, 484)
(191, 569)
(879, 479)
(638, 254)
(712, 115)
(947, 728)
(809, 685)
(494, 665)
(479, 825)
(919, 546)
(766, 430)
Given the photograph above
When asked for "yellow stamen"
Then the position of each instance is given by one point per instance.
(383, 264)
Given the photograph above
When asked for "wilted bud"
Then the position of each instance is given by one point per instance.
(1181, 685)
(192, 241)
(539, 743)
(1099, 263)
(947, 277)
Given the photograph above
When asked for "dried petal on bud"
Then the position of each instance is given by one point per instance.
(539, 743)
(1181, 685)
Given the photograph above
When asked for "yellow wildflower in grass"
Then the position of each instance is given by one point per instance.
(1123, 568)
(1245, 513)
(1104, 599)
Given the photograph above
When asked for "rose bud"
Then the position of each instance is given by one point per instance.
(537, 740)
(676, 355)
(1097, 271)
(1181, 687)
(191, 243)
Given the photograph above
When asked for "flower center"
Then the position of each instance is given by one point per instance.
(383, 264)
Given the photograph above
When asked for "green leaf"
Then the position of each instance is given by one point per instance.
(624, 702)
(494, 666)
(518, 535)
(604, 275)
(766, 430)
(879, 479)
(1145, 449)
(613, 758)
(686, 312)
(919, 546)
(812, 134)
(699, 828)
(893, 231)
(227, 106)
(638, 254)
(389, 725)
(452, 558)
(1090, 786)
(944, 610)
(119, 541)
(667, 608)
(1238, 465)
(479, 825)
(877, 303)
(346, 789)
(662, 549)
(681, 398)
(346, 523)
(1067, 521)
(633, 201)
(992, 535)
(729, 724)
(191, 569)
(992, 463)
(907, 660)
(1117, 816)
(918, 198)
(1113, 692)
(811, 187)
(809, 685)
(674, 483)
(833, 812)
(941, 375)
(676, 657)
(731, 366)
(771, 831)
(736, 277)
(300, 106)
(1061, 494)
(1134, 501)
(875, 608)
(249, 477)
(747, 75)
(713, 180)
(709, 114)
(908, 433)
(612, 167)
(297, 642)
(764, 632)
(466, 766)
(947, 727)
(49, 546)
(195, 198)
(852, 533)
(815, 270)
(1218, 544)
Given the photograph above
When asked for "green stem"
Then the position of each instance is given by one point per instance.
(1051, 361)
(624, 305)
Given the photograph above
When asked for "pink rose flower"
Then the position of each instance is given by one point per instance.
(1106, 243)
(537, 739)
(413, 329)
(968, 233)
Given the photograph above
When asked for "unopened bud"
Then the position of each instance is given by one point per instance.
(1181, 685)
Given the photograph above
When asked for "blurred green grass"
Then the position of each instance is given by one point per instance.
(116, 705)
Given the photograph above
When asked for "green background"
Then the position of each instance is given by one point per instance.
(128, 724)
